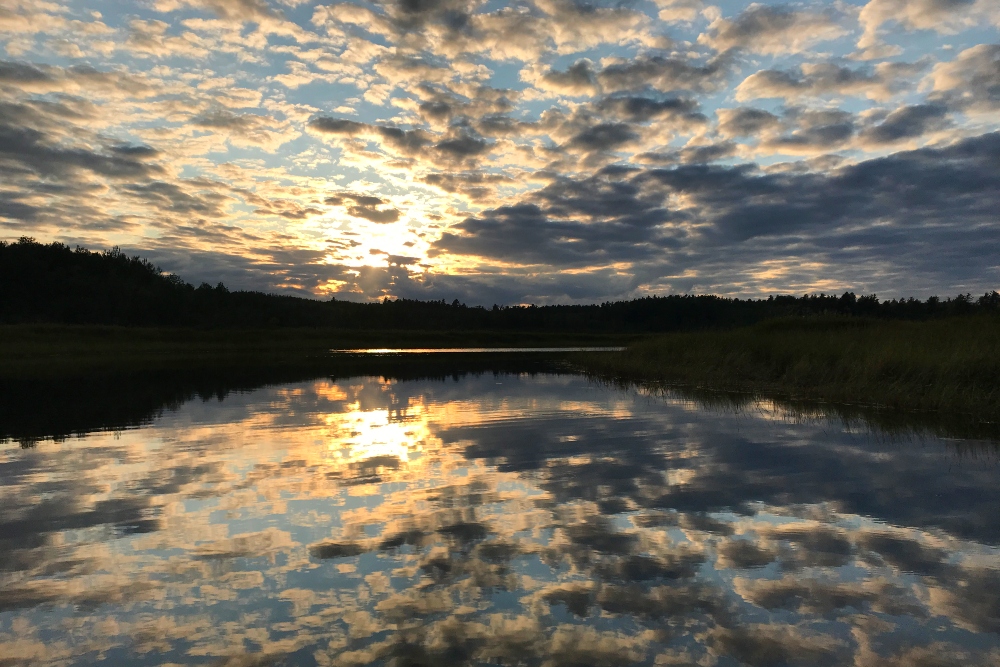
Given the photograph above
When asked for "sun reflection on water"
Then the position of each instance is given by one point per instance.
(537, 522)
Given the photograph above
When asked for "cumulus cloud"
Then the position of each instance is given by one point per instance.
(746, 122)
(406, 142)
(772, 29)
(971, 81)
(824, 79)
(664, 218)
(27, 148)
(245, 115)
(580, 78)
(909, 122)
(664, 74)
(946, 16)
(810, 130)
(368, 207)
(679, 10)
(77, 79)
(247, 129)
(643, 109)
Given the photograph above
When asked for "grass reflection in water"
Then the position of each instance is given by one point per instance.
(512, 519)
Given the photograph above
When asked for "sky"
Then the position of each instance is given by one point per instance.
(546, 151)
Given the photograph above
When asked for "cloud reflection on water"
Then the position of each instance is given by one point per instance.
(494, 519)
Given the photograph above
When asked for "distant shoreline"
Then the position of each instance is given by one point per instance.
(30, 351)
(948, 366)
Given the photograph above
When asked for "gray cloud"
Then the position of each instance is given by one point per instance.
(473, 184)
(27, 148)
(365, 207)
(815, 79)
(888, 209)
(173, 197)
(605, 136)
(643, 109)
(772, 29)
(463, 146)
(580, 78)
(813, 130)
(971, 81)
(407, 142)
(460, 145)
(909, 122)
(665, 74)
(745, 122)
(566, 155)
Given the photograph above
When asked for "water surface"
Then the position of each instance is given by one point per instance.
(474, 350)
(494, 519)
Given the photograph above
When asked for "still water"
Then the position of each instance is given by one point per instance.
(508, 519)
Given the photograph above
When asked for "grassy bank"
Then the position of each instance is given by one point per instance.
(947, 365)
(33, 351)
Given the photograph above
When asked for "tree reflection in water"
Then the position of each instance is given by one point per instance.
(494, 519)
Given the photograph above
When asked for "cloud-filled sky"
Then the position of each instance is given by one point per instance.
(538, 151)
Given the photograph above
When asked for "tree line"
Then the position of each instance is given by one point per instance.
(52, 283)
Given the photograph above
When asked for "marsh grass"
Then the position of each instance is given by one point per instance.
(945, 366)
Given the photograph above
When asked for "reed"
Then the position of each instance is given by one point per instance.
(946, 365)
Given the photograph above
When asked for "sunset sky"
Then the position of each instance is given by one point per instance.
(546, 151)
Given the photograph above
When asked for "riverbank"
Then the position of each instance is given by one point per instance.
(41, 351)
(941, 376)
(948, 365)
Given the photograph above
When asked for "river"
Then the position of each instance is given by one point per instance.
(494, 518)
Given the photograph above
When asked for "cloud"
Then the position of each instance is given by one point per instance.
(463, 145)
(150, 38)
(403, 142)
(746, 122)
(772, 29)
(31, 149)
(761, 645)
(248, 129)
(457, 147)
(944, 16)
(605, 136)
(580, 78)
(679, 10)
(660, 222)
(269, 20)
(824, 79)
(77, 79)
(909, 122)
(178, 199)
(228, 122)
(814, 130)
(639, 109)
(663, 73)
(365, 207)
(235, 10)
(971, 81)
(474, 185)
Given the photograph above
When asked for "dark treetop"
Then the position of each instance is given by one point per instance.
(55, 284)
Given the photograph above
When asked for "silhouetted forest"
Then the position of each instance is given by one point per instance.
(52, 283)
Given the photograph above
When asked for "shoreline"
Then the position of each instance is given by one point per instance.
(30, 352)
(948, 366)
(945, 370)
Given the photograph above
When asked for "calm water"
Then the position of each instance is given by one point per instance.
(510, 519)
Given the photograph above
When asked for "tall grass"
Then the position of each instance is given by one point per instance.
(942, 365)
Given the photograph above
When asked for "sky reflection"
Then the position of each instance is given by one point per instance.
(507, 519)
